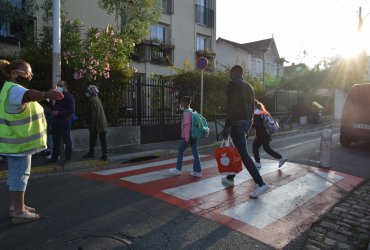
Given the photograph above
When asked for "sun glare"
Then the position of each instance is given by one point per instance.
(353, 45)
(350, 47)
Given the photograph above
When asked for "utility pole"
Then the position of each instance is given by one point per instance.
(360, 20)
(263, 72)
(56, 61)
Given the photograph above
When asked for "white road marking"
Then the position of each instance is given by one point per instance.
(162, 174)
(281, 201)
(213, 184)
(144, 165)
(298, 144)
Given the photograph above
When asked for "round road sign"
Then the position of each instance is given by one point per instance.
(202, 63)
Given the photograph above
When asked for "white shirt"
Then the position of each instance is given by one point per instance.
(13, 104)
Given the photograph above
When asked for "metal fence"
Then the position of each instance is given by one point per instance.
(151, 104)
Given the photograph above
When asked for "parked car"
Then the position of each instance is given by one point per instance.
(355, 123)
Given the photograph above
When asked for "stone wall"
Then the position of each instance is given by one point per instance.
(116, 137)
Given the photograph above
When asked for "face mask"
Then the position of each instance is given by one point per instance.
(22, 81)
(60, 89)
(181, 107)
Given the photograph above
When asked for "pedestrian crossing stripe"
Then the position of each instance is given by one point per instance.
(142, 166)
(282, 200)
(298, 194)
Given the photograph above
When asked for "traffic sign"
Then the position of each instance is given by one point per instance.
(202, 63)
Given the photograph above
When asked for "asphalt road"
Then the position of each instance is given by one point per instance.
(78, 213)
(304, 148)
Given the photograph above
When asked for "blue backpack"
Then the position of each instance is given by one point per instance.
(199, 125)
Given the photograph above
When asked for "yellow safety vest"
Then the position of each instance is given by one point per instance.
(24, 132)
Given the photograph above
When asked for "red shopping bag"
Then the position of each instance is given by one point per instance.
(228, 158)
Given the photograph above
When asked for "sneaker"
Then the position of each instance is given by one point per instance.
(259, 191)
(282, 161)
(227, 182)
(24, 217)
(196, 174)
(88, 155)
(29, 209)
(258, 165)
(175, 171)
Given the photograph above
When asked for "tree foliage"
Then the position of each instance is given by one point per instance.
(136, 16)
(341, 73)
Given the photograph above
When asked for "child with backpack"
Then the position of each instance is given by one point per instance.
(263, 138)
(187, 139)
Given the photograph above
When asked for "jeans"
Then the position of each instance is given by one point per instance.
(62, 130)
(194, 150)
(239, 131)
(266, 146)
(103, 141)
(19, 170)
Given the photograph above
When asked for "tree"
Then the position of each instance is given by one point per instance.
(279, 61)
(136, 16)
(106, 49)
(20, 18)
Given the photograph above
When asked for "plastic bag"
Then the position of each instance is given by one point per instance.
(228, 159)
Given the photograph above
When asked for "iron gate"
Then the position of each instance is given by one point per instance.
(154, 105)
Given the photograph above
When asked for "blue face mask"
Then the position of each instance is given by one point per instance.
(59, 89)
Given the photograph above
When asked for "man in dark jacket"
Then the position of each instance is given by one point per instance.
(61, 123)
(240, 107)
(98, 124)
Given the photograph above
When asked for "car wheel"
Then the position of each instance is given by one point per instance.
(344, 140)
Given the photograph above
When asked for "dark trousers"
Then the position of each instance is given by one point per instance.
(266, 146)
(103, 141)
(62, 130)
(239, 131)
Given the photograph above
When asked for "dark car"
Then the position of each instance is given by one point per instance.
(355, 123)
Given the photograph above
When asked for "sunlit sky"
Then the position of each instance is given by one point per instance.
(322, 28)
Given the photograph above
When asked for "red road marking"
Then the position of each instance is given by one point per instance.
(277, 234)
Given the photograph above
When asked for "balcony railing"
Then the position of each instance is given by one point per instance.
(154, 51)
(204, 16)
(167, 7)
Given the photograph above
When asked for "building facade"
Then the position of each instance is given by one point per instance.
(259, 58)
(186, 30)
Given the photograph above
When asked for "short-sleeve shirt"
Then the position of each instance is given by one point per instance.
(14, 105)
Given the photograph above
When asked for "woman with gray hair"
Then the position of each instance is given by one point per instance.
(98, 124)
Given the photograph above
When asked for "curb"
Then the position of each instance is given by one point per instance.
(86, 164)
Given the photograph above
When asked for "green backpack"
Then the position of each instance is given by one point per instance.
(199, 125)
